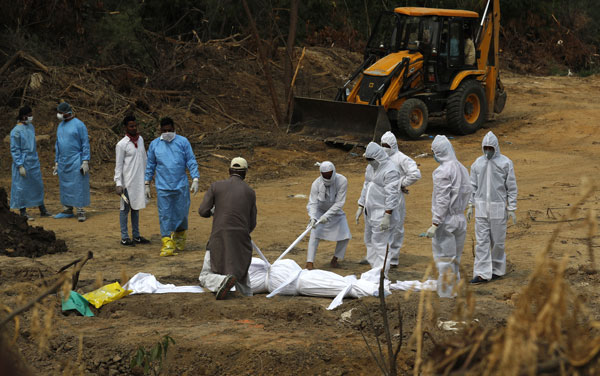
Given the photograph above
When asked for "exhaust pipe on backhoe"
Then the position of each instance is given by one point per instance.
(338, 122)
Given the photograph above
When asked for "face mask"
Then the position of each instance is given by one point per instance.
(167, 136)
(489, 154)
(327, 182)
(29, 120)
(374, 164)
(60, 117)
(388, 151)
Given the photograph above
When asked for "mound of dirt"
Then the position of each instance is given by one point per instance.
(18, 239)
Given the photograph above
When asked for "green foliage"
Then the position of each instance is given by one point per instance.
(130, 32)
(152, 360)
(119, 37)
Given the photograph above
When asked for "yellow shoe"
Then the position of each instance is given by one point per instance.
(168, 247)
(179, 239)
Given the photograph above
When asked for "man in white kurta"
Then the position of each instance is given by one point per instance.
(129, 180)
(325, 209)
(409, 174)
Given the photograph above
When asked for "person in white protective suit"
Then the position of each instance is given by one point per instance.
(451, 192)
(379, 201)
(494, 199)
(409, 174)
(327, 198)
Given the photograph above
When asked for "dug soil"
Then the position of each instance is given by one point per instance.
(548, 129)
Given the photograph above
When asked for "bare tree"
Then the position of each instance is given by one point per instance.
(265, 65)
(291, 39)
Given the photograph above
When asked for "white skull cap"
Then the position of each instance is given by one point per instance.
(239, 163)
(326, 167)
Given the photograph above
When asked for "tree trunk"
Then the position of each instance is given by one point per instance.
(291, 39)
(265, 65)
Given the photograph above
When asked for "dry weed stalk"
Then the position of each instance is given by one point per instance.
(389, 369)
(425, 305)
(549, 320)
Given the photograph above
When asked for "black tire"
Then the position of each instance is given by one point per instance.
(413, 117)
(466, 108)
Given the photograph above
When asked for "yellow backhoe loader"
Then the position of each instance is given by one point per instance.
(418, 61)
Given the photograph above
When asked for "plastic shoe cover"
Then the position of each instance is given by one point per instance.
(168, 247)
(179, 239)
(64, 215)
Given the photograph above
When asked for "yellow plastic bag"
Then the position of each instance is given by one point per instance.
(106, 294)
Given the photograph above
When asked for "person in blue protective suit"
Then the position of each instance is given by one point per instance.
(169, 156)
(72, 163)
(27, 189)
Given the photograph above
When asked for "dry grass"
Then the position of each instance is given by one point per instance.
(549, 331)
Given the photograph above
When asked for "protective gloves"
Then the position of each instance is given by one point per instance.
(85, 168)
(55, 169)
(469, 213)
(119, 190)
(385, 222)
(513, 216)
(323, 219)
(313, 222)
(194, 188)
(359, 212)
(147, 190)
(22, 171)
(430, 232)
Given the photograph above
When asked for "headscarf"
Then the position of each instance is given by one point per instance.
(134, 139)
(328, 188)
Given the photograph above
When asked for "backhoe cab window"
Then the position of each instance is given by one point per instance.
(417, 32)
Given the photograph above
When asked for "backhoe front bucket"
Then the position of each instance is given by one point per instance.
(338, 122)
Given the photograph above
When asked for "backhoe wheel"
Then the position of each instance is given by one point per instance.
(466, 108)
(413, 117)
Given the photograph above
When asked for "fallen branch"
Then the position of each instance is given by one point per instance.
(25, 56)
(51, 290)
(291, 92)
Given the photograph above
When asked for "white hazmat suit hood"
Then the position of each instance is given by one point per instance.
(390, 139)
(490, 139)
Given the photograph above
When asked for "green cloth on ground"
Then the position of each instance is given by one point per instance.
(77, 302)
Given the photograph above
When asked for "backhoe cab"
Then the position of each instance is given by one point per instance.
(418, 61)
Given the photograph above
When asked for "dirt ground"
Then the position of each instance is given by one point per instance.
(548, 129)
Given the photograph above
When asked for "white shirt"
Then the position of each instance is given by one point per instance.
(129, 171)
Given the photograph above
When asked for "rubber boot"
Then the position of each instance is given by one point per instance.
(168, 247)
(179, 239)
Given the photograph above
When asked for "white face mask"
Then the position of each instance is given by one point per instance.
(29, 120)
(374, 164)
(388, 151)
(167, 136)
(60, 117)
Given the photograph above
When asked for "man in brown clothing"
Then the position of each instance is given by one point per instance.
(229, 250)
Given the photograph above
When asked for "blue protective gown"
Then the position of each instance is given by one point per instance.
(25, 191)
(169, 160)
(72, 148)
